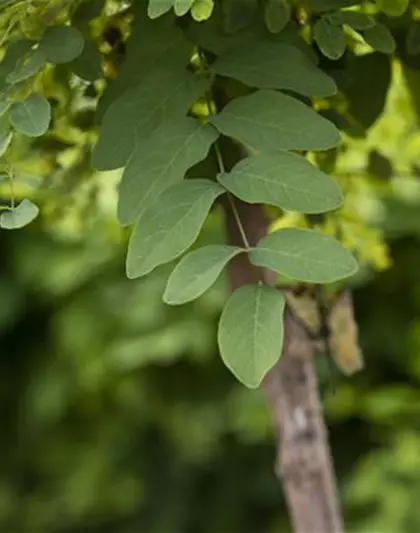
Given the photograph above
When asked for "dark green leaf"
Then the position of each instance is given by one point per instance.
(196, 272)
(88, 65)
(61, 44)
(276, 15)
(304, 255)
(285, 180)
(28, 66)
(21, 216)
(269, 120)
(32, 116)
(354, 19)
(164, 94)
(275, 65)
(169, 226)
(330, 39)
(380, 38)
(160, 161)
(250, 334)
(413, 39)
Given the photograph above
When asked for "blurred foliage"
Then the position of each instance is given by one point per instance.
(117, 414)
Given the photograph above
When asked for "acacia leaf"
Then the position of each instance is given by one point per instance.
(61, 44)
(269, 120)
(161, 161)
(285, 180)
(304, 255)
(170, 225)
(19, 217)
(276, 15)
(380, 38)
(250, 333)
(196, 272)
(275, 65)
(330, 39)
(32, 116)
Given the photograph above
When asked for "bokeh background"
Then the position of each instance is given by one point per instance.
(116, 413)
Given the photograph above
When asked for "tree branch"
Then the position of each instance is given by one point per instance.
(304, 461)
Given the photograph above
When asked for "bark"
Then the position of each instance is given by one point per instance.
(304, 462)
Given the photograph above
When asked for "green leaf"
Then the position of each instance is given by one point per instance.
(269, 120)
(28, 66)
(202, 9)
(330, 39)
(354, 19)
(88, 65)
(250, 333)
(275, 65)
(320, 6)
(170, 225)
(304, 255)
(32, 116)
(238, 14)
(393, 8)
(21, 216)
(196, 272)
(61, 44)
(380, 38)
(5, 141)
(181, 7)
(413, 39)
(164, 94)
(285, 180)
(276, 15)
(157, 8)
(160, 161)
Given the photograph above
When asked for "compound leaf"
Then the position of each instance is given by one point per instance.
(161, 161)
(285, 180)
(170, 225)
(250, 333)
(275, 65)
(196, 272)
(304, 255)
(269, 120)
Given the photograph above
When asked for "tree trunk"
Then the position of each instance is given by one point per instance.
(304, 462)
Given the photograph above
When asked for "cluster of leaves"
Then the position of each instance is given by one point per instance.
(161, 118)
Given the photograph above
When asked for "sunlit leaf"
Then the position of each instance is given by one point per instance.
(304, 255)
(250, 333)
(169, 226)
(28, 66)
(157, 8)
(5, 141)
(393, 8)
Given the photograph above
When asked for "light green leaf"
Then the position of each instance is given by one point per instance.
(202, 9)
(276, 15)
(161, 161)
(170, 225)
(269, 120)
(330, 39)
(250, 333)
(304, 255)
(393, 8)
(157, 8)
(354, 19)
(285, 180)
(196, 272)
(181, 7)
(320, 6)
(380, 38)
(275, 65)
(4, 106)
(32, 116)
(88, 65)
(21, 216)
(165, 94)
(28, 66)
(61, 44)
(5, 141)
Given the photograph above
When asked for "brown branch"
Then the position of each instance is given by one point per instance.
(304, 461)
